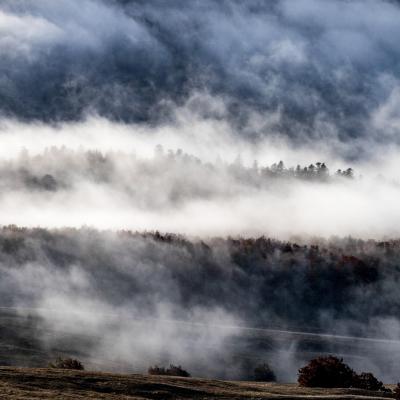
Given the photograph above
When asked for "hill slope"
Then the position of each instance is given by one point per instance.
(26, 383)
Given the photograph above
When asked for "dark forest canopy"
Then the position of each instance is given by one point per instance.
(263, 281)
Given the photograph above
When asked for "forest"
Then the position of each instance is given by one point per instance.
(57, 168)
(289, 281)
(338, 286)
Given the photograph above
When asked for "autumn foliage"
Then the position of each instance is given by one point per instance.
(367, 381)
(332, 372)
(329, 372)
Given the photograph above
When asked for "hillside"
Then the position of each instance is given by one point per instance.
(24, 383)
(121, 301)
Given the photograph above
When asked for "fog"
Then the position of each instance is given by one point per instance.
(203, 181)
(123, 301)
(155, 116)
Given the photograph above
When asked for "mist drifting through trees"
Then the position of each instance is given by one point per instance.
(202, 183)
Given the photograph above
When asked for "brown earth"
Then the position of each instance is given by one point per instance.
(40, 383)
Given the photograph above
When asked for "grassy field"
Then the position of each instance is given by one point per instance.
(36, 383)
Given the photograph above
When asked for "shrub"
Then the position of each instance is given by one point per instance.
(67, 363)
(263, 373)
(173, 370)
(397, 392)
(332, 372)
(156, 370)
(329, 372)
(367, 381)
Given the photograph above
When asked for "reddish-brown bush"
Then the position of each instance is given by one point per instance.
(329, 372)
(332, 372)
(367, 381)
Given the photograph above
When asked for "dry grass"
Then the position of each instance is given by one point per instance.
(28, 383)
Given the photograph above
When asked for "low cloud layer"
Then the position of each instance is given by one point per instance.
(205, 180)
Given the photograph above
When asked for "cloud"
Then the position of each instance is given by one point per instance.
(321, 67)
(204, 189)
